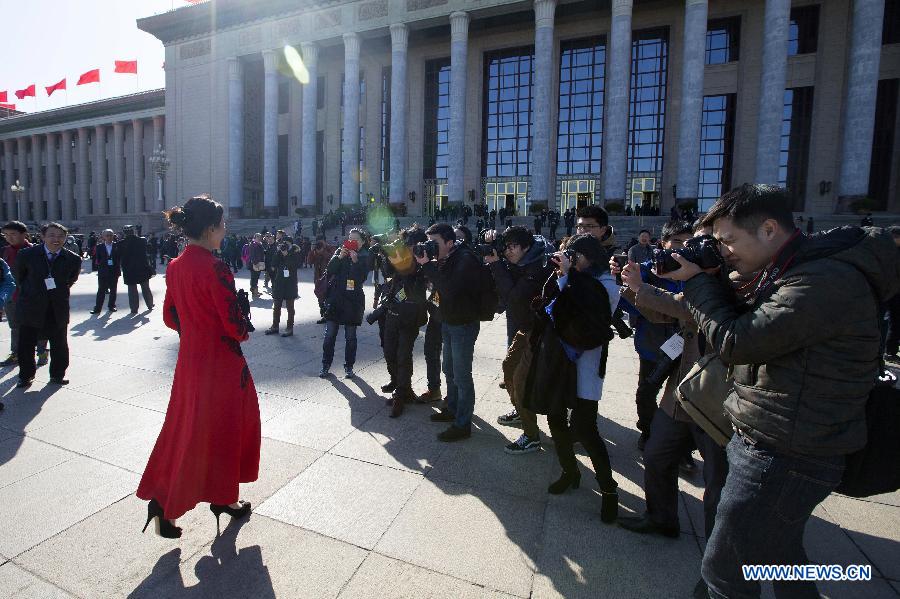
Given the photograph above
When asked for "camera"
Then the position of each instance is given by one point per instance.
(426, 248)
(621, 262)
(702, 251)
(486, 248)
(377, 314)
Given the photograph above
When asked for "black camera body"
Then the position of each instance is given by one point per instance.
(702, 251)
(378, 313)
(426, 248)
(485, 248)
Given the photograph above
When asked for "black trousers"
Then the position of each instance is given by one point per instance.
(254, 279)
(669, 440)
(59, 349)
(276, 313)
(104, 285)
(133, 302)
(645, 396)
(433, 346)
(399, 339)
(583, 424)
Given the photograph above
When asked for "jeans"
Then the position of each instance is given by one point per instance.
(584, 427)
(133, 296)
(331, 331)
(669, 441)
(768, 497)
(433, 340)
(645, 396)
(459, 349)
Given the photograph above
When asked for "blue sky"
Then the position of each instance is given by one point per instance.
(46, 40)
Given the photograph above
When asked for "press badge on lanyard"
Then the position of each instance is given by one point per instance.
(50, 283)
(351, 285)
(286, 273)
(109, 263)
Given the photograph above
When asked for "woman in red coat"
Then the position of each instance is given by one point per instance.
(210, 439)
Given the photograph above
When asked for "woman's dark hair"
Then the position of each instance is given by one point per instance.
(198, 214)
(588, 246)
(363, 234)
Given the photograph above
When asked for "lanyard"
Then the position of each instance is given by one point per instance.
(779, 265)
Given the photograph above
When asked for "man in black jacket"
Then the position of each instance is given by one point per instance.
(135, 270)
(519, 278)
(107, 265)
(44, 274)
(456, 277)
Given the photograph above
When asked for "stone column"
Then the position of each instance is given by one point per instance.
(235, 137)
(692, 65)
(136, 199)
(459, 53)
(399, 101)
(270, 135)
(66, 200)
(9, 168)
(542, 108)
(771, 90)
(52, 182)
(350, 147)
(615, 134)
(84, 177)
(159, 141)
(117, 203)
(37, 185)
(861, 95)
(22, 212)
(310, 126)
(100, 170)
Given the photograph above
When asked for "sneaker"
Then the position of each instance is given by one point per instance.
(444, 415)
(348, 372)
(510, 419)
(454, 433)
(430, 396)
(10, 360)
(323, 374)
(524, 444)
(43, 358)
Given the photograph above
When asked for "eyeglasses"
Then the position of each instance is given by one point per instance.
(584, 226)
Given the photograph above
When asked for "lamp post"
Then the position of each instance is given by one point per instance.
(160, 165)
(18, 189)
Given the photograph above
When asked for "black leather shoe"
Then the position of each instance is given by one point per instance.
(645, 526)
(444, 415)
(59, 381)
(454, 434)
(389, 387)
(24, 383)
(95, 311)
(112, 309)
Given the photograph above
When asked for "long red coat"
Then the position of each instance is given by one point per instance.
(210, 439)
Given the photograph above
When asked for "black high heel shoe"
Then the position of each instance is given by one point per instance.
(568, 479)
(164, 528)
(236, 513)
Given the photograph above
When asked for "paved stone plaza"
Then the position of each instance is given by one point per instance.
(350, 503)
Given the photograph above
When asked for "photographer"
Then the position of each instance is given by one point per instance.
(285, 263)
(518, 278)
(318, 258)
(404, 314)
(804, 358)
(673, 431)
(345, 301)
(454, 271)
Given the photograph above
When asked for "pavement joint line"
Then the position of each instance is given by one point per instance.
(875, 569)
(75, 454)
(42, 579)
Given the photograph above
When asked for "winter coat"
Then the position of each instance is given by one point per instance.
(285, 287)
(345, 301)
(806, 353)
(457, 282)
(133, 256)
(518, 284)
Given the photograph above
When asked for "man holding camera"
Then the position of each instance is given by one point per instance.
(804, 356)
(519, 277)
(454, 271)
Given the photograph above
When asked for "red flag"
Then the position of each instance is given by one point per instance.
(56, 86)
(7, 106)
(25, 93)
(126, 66)
(3, 97)
(92, 76)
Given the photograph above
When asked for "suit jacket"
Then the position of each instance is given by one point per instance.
(32, 268)
(101, 262)
(133, 259)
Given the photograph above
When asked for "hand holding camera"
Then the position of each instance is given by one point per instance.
(631, 276)
(563, 262)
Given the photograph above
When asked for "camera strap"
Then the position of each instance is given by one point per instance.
(779, 265)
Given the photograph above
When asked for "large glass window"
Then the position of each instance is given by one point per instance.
(581, 78)
(883, 141)
(507, 112)
(716, 149)
(795, 128)
(647, 117)
(437, 118)
(385, 127)
(803, 31)
(723, 40)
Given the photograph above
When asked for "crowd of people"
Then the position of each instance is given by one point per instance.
(737, 310)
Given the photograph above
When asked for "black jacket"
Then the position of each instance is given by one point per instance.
(101, 262)
(34, 300)
(345, 302)
(133, 257)
(285, 287)
(518, 284)
(457, 281)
